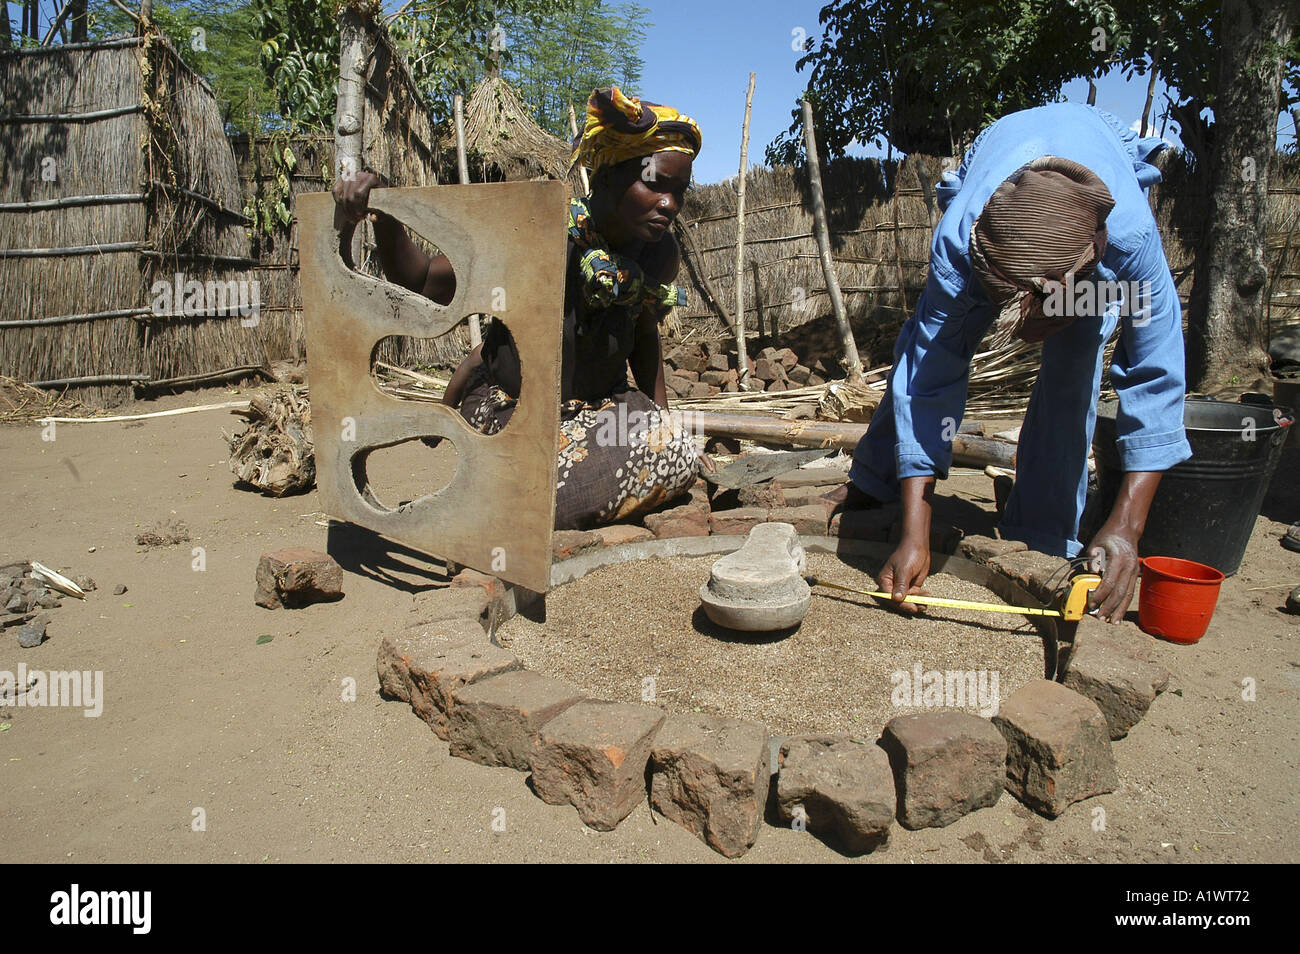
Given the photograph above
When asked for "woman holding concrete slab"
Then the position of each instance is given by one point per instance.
(622, 453)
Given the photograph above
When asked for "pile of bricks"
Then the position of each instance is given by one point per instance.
(708, 368)
(1049, 744)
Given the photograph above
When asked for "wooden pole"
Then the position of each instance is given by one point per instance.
(462, 161)
(742, 356)
(968, 450)
(898, 242)
(852, 364)
(582, 172)
(695, 262)
(462, 167)
(58, 22)
(350, 111)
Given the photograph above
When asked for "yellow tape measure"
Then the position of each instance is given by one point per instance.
(1076, 602)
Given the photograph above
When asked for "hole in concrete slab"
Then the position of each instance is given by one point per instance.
(420, 369)
(630, 629)
(391, 477)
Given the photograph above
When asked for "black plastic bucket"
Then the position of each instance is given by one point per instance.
(1205, 507)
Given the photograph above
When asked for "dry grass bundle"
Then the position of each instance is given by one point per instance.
(23, 404)
(276, 453)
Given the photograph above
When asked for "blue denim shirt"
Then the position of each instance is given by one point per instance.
(932, 363)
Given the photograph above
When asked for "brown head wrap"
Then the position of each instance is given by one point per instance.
(1044, 223)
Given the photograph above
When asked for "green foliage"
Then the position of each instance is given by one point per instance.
(299, 55)
(928, 74)
(449, 44)
(271, 209)
(560, 61)
(225, 52)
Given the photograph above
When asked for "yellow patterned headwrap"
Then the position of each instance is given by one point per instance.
(620, 127)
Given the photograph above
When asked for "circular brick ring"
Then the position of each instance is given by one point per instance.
(1049, 744)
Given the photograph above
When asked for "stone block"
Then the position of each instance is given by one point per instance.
(616, 534)
(1033, 571)
(688, 520)
(766, 495)
(809, 520)
(1107, 670)
(739, 521)
(426, 665)
(710, 774)
(450, 602)
(569, 543)
(297, 576)
(946, 765)
(495, 721)
(1058, 747)
(983, 549)
(593, 756)
(839, 789)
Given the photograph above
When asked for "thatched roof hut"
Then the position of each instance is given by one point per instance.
(502, 140)
(126, 179)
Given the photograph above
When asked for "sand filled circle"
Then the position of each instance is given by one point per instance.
(635, 632)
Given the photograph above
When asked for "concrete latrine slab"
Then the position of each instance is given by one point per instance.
(506, 244)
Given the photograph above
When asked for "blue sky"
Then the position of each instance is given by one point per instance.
(698, 56)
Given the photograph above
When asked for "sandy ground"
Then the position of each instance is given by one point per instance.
(835, 673)
(264, 741)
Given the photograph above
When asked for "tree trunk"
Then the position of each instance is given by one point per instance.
(1226, 348)
(79, 34)
(6, 37)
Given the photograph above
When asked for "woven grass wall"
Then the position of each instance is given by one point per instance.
(276, 253)
(66, 252)
(881, 216)
(144, 187)
(196, 230)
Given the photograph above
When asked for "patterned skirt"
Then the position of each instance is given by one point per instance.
(619, 458)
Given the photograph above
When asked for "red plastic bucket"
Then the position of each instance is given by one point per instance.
(1177, 598)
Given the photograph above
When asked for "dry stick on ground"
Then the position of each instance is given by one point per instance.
(462, 168)
(853, 365)
(582, 170)
(968, 450)
(143, 417)
(742, 355)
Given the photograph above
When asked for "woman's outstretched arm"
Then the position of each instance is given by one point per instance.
(401, 259)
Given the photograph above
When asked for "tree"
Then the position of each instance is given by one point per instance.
(1226, 346)
(447, 44)
(557, 62)
(928, 74)
(218, 40)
